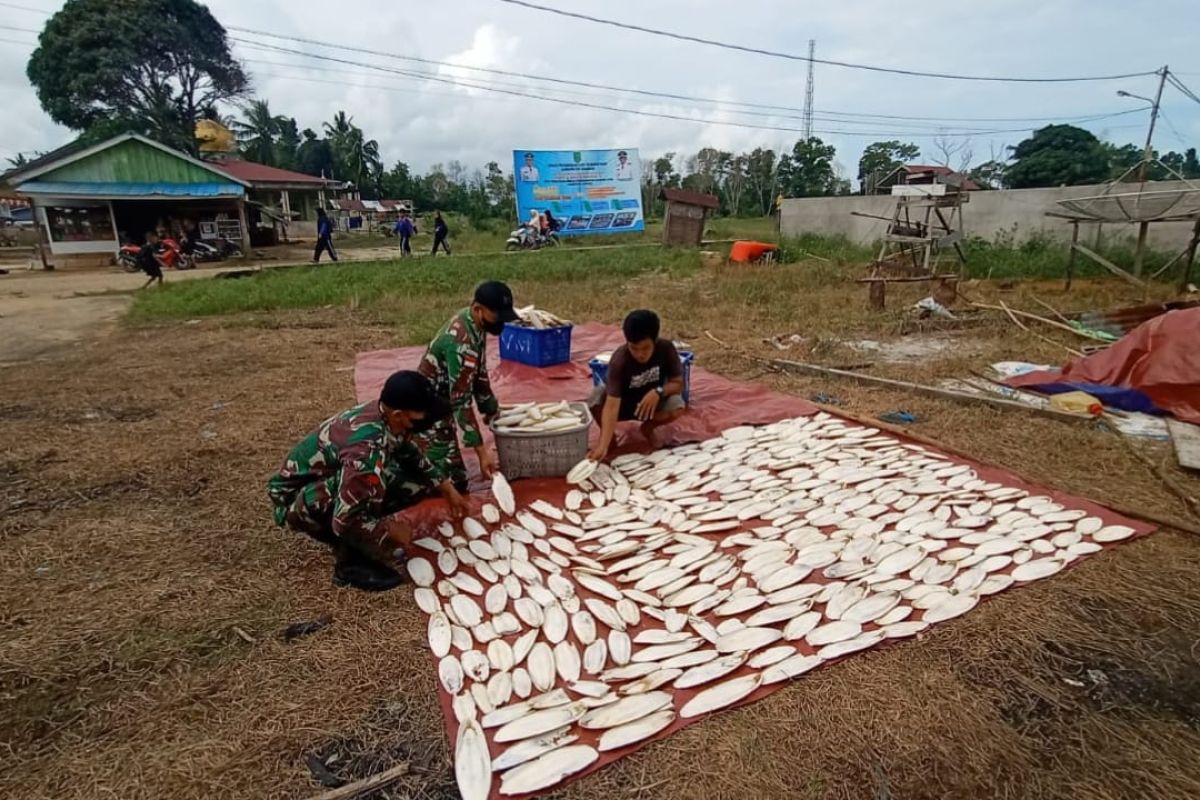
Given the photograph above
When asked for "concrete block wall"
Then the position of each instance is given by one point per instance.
(1017, 212)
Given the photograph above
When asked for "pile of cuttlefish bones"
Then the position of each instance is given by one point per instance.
(742, 561)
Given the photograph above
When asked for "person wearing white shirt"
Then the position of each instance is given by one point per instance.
(529, 173)
(624, 168)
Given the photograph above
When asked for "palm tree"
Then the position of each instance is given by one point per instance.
(258, 131)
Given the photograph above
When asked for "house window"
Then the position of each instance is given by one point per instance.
(80, 224)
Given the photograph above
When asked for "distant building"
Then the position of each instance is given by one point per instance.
(88, 199)
(921, 174)
(683, 221)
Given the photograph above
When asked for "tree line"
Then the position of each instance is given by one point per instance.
(162, 65)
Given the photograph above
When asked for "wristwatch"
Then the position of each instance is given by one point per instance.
(659, 389)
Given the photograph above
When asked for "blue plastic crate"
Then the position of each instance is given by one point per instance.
(537, 347)
(686, 357)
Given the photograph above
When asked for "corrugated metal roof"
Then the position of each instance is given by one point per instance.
(690, 198)
(105, 190)
(253, 172)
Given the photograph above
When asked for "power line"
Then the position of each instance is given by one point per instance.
(628, 90)
(457, 81)
(829, 62)
(525, 76)
(18, 30)
(1182, 87)
(42, 11)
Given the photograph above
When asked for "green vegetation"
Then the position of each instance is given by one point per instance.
(439, 281)
(1043, 257)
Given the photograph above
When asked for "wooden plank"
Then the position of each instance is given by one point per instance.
(931, 391)
(919, 190)
(1108, 265)
(944, 276)
(1186, 438)
(360, 788)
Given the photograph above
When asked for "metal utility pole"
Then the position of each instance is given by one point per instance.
(808, 92)
(1147, 154)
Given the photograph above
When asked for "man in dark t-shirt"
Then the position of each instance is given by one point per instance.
(645, 381)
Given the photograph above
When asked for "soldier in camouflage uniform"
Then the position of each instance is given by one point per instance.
(341, 483)
(456, 362)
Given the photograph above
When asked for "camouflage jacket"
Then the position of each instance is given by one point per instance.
(370, 465)
(456, 362)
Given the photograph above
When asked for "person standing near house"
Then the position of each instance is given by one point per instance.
(324, 237)
(405, 230)
(441, 233)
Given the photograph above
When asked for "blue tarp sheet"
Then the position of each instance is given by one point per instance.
(132, 190)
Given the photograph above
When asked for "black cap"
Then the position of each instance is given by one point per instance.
(409, 390)
(496, 296)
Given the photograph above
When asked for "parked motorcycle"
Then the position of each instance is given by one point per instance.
(527, 238)
(170, 250)
(218, 250)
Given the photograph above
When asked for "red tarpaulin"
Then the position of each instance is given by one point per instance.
(717, 404)
(1160, 358)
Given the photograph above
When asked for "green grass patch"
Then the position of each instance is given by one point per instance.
(380, 283)
(1043, 257)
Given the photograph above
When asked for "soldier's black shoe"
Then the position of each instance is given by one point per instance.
(359, 572)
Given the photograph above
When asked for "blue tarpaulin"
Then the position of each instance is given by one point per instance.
(119, 190)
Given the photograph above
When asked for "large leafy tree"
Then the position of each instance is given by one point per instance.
(287, 148)
(314, 156)
(762, 178)
(152, 66)
(258, 132)
(808, 171)
(880, 159)
(1057, 155)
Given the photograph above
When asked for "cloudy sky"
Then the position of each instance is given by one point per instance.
(423, 121)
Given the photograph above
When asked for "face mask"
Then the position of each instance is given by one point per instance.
(494, 328)
(423, 424)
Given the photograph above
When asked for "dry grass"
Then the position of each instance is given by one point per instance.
(137, 539)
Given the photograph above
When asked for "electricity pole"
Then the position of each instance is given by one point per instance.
(808, 92)
(1148, 153)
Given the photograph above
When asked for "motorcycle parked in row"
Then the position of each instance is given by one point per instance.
(169, 248)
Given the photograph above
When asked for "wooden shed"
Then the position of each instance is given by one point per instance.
(686, 212)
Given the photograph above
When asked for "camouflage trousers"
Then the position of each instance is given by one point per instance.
(440, 446)
(310, 512)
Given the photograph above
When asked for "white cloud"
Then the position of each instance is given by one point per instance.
(423, 122)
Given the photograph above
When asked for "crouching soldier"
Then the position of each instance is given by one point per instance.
(344, 480)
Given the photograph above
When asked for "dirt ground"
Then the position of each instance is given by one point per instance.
(145, 593)
(42, 313)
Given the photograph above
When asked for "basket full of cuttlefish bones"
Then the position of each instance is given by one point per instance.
(541, 439)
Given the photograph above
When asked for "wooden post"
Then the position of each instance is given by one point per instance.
(1071, 255)
(245, 227)
(1190, 257)
(1140, 254)
(877, 295)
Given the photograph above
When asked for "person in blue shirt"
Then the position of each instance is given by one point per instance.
(405, 229)
(324, 237)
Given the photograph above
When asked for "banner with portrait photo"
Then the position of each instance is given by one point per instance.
(587, 191)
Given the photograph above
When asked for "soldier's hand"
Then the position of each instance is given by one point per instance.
(459, 507)
(598, 453)
(487, 461)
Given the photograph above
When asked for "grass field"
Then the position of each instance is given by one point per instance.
(145, 592)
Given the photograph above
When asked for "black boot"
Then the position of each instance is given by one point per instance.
(355, 570)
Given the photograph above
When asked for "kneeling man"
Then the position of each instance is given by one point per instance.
(645, 382)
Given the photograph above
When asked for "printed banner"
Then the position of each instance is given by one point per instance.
(587, 191)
